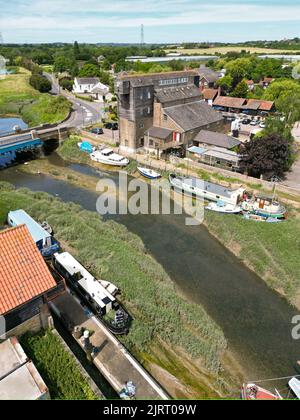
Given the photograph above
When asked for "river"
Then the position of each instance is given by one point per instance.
(256, 320)
(7, 125)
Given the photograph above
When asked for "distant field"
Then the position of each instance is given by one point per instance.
(225, 50)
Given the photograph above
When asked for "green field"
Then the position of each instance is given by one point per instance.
(18, 98)
(59, 371)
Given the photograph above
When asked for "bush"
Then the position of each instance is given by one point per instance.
(40, 83)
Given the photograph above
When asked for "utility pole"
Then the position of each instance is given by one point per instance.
(142, 36)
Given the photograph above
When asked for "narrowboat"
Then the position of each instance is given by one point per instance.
(206, 190)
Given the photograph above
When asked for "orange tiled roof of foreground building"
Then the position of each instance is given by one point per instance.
(23, 272)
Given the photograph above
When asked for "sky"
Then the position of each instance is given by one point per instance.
(165, 21)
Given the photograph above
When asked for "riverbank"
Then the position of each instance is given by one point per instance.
(194, 346)
(19, 99)
(270, 250)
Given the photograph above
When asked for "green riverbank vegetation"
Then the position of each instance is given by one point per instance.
(18, 98)
(59, 371)
(161, 317)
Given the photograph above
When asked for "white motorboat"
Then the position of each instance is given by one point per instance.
(199, 188)
(221, 207)
(148, 173)
(109, 157)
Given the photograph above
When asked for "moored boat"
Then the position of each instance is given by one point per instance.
(85, 146)
(108, 157)
(148, 173)
(265, 207)
(294, 385)
(223, 208)
(207, 190)
(255, 392)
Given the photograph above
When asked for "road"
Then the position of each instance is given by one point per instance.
(85, 113)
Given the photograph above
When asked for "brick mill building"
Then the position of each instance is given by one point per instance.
(163, 111)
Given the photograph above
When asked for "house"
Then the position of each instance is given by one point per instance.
(208, 139)
(19, 378)
(208, 77)
(25, 280)
(170, 101)
(266, 81)
(209, 95)
(92, 87)
(250, 84)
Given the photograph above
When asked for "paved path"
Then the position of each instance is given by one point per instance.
(85, 113)
(113, 360)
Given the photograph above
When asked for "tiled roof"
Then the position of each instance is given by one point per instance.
(193, 115)
(209, 93)
(229, 102)
(24, 274)
(159, 132)
(216, 139)
(208, 74)
(258, 104)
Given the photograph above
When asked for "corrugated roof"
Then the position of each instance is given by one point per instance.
(193, 115)
(210, 75)
(229, 102)
(159, 132)
(216, 139)
(88, 80)
(148, 79)
(179, 92)
(24, 274)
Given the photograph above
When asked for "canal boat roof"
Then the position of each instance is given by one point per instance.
(20, 217)
(87, 282)
(209, 187)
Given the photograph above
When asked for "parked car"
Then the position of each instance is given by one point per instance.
(111, 126)
(262, 124)
(246, 121)
(254, 122)
(97, 131)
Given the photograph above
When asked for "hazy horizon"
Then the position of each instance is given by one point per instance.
(170, 21)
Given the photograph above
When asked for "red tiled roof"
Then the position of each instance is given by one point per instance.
(209, 93)
(249, 82)
(24, 274)
(259, 104)
(229, 102)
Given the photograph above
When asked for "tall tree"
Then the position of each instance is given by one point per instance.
(269, 155)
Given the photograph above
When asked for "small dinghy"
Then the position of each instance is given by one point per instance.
(294, 385)
(224, 208)
(148, 173)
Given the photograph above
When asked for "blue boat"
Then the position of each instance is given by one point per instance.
(46, 243)
(148, 173)
(85, 146)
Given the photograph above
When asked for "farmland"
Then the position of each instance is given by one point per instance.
(225, 50)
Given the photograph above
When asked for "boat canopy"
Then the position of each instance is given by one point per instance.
(20, 217)
(295, 387)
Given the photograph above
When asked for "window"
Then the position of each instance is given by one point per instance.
(141, 125)
(150, 142)
(149, 95)
(126, 143)
(165, 117)
(149, 110)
